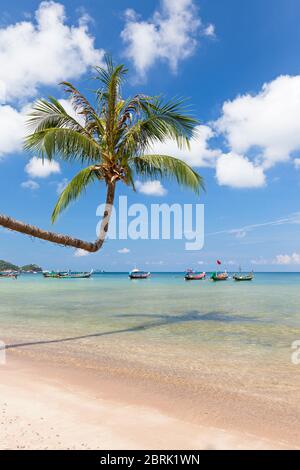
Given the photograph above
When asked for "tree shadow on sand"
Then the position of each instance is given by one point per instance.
(160, 320)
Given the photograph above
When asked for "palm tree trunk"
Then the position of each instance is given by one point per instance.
(110, 197)
(61, 239)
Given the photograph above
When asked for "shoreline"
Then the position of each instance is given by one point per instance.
(47, 404)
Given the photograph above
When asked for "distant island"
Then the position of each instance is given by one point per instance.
(28, 268)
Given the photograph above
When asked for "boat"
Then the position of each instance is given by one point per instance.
(192, 275)
(67, 274)
(243, 277)
(9, 274)
(219, 276)
(52, 274)
(76, 275)
(137, 274)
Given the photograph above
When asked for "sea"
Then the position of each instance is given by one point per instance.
(242, 336)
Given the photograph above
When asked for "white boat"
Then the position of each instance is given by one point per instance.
(137, 274)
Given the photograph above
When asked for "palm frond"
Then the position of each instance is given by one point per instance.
(159, 123)
(80, 102)
(167, 167)
(74, 189)
(111, 78)
(50, 114)
(69, 144)
(111, 74)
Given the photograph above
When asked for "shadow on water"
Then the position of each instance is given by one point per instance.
(160, 320)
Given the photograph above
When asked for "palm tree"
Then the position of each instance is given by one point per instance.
(112, 141)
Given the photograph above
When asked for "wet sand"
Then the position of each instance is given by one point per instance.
(47, 405)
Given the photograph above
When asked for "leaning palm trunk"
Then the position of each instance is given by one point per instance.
(113, 139)
(65, 240)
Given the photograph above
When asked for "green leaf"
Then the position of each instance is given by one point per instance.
(167, 167)
(74, 189)
(67, 143)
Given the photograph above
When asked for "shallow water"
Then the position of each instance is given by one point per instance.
(238, 334)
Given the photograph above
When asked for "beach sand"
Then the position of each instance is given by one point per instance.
(45, 405)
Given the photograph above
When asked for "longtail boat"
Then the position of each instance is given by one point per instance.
(219, 276)
(137, 274)
(67, 274)
(243, 277)
(10, 275)
(52, 274)
(192, 275)
(76, 275)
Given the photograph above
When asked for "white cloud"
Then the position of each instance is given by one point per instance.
(66, 103)
(210, 30)
(33, 185)
(12, 125)
(38, 168)
(238, 172)
(80, 253)
(241, 234)
(287, 259)
(259, 262)
(124, 251)
(43, 51)
(199, 154)
(260, 131)
(12, 129)
(266, 124)
(171, 34)
(151, 188)
(297, 163)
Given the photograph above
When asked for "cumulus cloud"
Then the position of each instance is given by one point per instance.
(287, 259)
(66, 103)
(33, 185)
(124, 251)
(259, 262)
(266, 124)
(38, 168)
(258, 131)
(12, 129)
(79, 253)
(297, 163)
(210, 30)
(151, 188)
(238, 172)
(171, 34)
(39, 52)
(199, 154)
(43, 51)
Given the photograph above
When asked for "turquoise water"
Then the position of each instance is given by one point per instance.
(239, 332)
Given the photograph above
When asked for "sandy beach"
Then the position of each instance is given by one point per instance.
(174, 366)
(49, 406)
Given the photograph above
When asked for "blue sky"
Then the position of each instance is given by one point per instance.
(238, 62)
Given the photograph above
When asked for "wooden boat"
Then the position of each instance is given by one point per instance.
(67, 274)
(52, 274)
(137, 274)
(219, 276)
(10, 275)
(191, 275)
(76, 275)
(243, 277)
